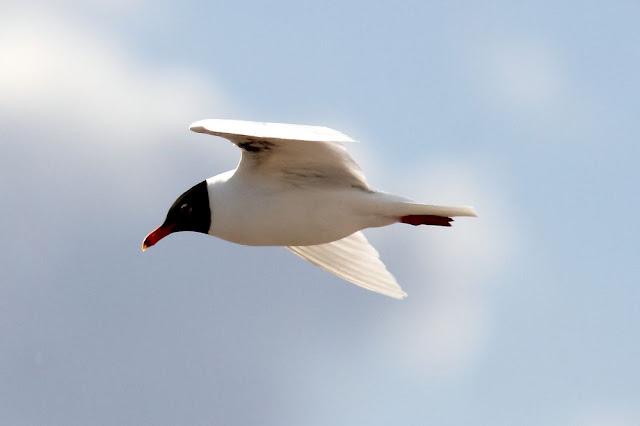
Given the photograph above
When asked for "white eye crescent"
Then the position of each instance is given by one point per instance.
(186, 209)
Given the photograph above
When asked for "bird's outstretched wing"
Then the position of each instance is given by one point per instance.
(290, 153)
(355, 260)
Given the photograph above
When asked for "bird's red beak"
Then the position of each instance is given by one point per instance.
(156, 235)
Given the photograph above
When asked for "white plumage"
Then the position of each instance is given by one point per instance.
(298, 187)
(236, 129)
(352, 258)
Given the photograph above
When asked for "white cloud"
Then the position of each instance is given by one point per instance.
(449, 272)
(532, 85)
(82, 115)
(521, 74)
(526, 74)
(58, 73)
(111, 7)
(81, 104)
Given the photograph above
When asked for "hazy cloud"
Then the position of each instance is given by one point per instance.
(58, 73)
(524, 74)
(451, 270)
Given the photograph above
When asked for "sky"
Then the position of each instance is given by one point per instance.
(526, 315)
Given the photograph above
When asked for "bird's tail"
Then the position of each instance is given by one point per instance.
(406, 211)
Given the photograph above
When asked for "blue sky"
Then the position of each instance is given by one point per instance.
(527, 315)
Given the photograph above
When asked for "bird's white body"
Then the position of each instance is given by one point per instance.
(265, 212)
(298, 187)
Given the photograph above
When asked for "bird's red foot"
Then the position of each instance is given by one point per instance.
(426, 219)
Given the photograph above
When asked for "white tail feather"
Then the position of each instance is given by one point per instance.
(448, 211)
(396, 206)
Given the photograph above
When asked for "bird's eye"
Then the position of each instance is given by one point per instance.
(185, 209)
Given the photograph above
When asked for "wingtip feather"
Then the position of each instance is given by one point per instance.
(198, 127)
(284, 131)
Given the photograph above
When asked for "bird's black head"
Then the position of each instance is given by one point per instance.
(190, 212)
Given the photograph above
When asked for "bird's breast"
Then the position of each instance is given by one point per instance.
(250, 215)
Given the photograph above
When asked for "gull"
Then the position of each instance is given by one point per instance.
(297, 186)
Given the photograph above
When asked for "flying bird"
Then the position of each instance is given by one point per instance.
(297, 186)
